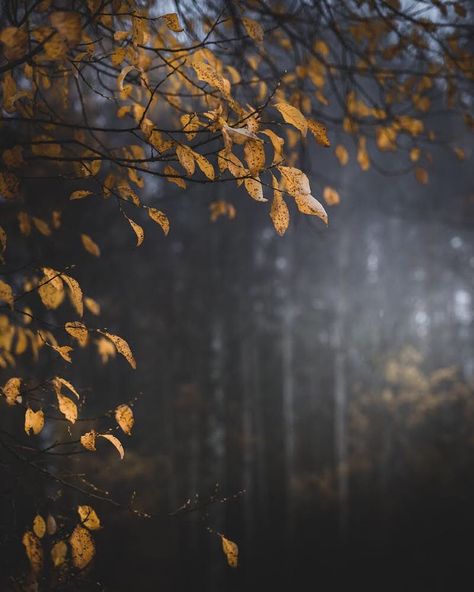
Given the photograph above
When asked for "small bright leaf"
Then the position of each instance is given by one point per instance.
(124, 417)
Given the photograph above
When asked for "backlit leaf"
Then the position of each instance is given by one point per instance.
(122, 347)
(293, 116)
(88, 517)
(34, 421)
(160, 218)
(231, 551)
(82, 547)
(115, 442)
(33, 550)
(124, 417)
(89, 245)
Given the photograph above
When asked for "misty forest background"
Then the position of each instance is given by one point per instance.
(321, 380)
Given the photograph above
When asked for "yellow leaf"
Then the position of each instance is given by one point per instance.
(122, 347)
(342, 154)
(89, 245)
(91, 305)
(125, 419)
(172, 22)
(279, 211)
(80, 194)
(173, 176)
(88, 440)
(122, 75)
(6, 293)
(63, 350)
(33, 550)
(297, 185)
(362, 154)
(75, 293)
(319, 132)
(331, 196)
(254, 155)
(58, 553)
(205, 166)
(78, 330)
(307, 204)
(186, 158)
(277, 144)
(3, 240)
(231, 551)
(160, 218)
(254, 188)
(39, 526)
(293, 116)
(137, 229)
(82, 547)
(51, 288)
(58, 381)
(88, 517)
(115, 442)
(11, 390)
(67, 407)
(34, 421)
(254, 30)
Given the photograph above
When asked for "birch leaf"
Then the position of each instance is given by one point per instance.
(58, 381)
(77, 330)
(34, 551)
(6, 293)
(89, 245)
(11, 390)
(124, 418)
(254, 189)
(254, 30)
(82, 547)
(39, 526)
(88, 440)
(279, 211)
(115, 442)
(137, 229)
(75, 293)
(293, 116)
(67, 407)
(231, 551)
(122, 347)
(58, 553)
(186, 158)
(34, 421)
(160, 218)
(331, 196)
(88, 517)
(172, 22)
(319, 132)
(80, 194)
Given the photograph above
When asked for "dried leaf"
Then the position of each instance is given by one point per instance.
(160, 218)
(124, 417)
(279, 211)
(78, 330)
(137, 229)
(75, 293)
(33, 550)
(254, 188)
(34, 421)
(39, 526)
(82, 547)
(11, 390)
(231, 551)
(67, 407)
(172, 22)
(88, 440)
(319, 132)
(254, 30)
(58, 553)
(58, 381)
(6, 293)
(88, 517)
(331, 196)
(293, 116)
(115, 442)
(89, 245)
(122, 347)
(80, 194)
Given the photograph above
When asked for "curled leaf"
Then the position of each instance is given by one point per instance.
(124, 417)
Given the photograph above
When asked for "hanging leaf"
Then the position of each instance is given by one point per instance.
(88, 440)
(80, 194)
(79, 331)
(160, 218)
(67, 407)
(137, 229)
(319, 132)
(6, 293)
(115, 442)
(34, 421)
(58, 381)
(279, 211)
(231, 551)
(82, 547)
(254, 30)
(11, 390)
(75, 293)
(331, 196)
(293, 116)
(58, 553)
(89, 245)
(33, 550)
(172, 22)
(39, 526)
(122, 347)
(254, 188)
(124, 417)
(88, 517)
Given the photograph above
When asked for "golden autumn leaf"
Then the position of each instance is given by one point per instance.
(293, 116)
(58, 553)
(186, 158)
(172, 22)
(39, 526)
(254, 29)
(80, 194)
(277, 144)
(34, 551)
(205, 166)
(279, 213)
(160, 218)
(75, 293)
(88, 517)
(331, 196)
(67, 407)
(77, 330)
(51, 288)
(91, 305)
(34, 421)
(82, 547)
(63, 350)
(254, 155)
(89, 245)
(124, 418)
(68, 25)
(88, 440)
(173, 176)
(58, 381)
(115, 442)
(231, 551)
(122, 347)
(6, 293)
(11, 390)
(297, 185)
(137, 229)
(341, 154)
(319, 132)
(254, 188)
